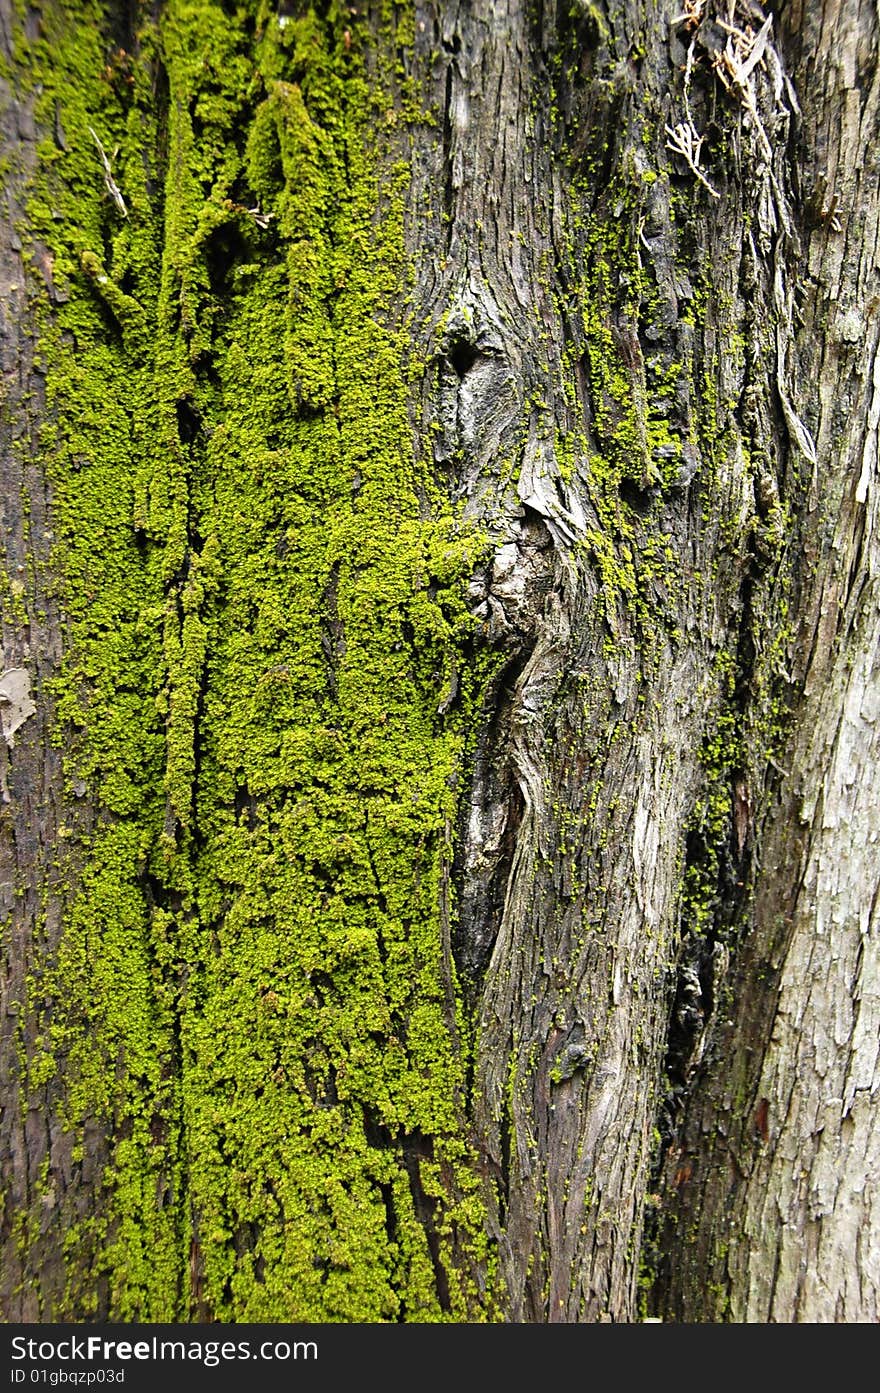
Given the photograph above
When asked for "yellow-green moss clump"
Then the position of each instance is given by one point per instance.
(263, 600)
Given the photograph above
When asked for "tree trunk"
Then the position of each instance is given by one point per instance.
(440, 644)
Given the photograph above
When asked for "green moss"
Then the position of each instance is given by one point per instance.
(264, 610)
(629, 456)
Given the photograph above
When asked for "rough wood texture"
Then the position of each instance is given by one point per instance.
(627, 692)
(34, 860)
(431, 1038)
(777, 1220)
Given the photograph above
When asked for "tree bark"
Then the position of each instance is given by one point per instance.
(793, 1069)
(440, 635)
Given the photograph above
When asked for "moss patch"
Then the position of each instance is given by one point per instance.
(264, 603)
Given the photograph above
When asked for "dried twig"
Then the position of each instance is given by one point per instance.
(260, 218)
(742, 53)
(111, 184)
(684, 139)
(691, 15)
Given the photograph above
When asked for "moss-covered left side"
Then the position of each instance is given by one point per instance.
(264, 606)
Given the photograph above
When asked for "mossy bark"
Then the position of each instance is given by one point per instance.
(428, 466)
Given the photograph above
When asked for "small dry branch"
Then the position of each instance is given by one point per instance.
(110, 183)
(684, 139)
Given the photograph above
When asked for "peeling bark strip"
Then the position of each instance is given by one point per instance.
(439, 863)
(15, 701)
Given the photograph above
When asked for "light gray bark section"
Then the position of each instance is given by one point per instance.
(781, 1144)
(811, 1221)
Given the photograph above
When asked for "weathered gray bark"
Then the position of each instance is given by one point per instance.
(770, 1184)
(34, 860)
(652, 378)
